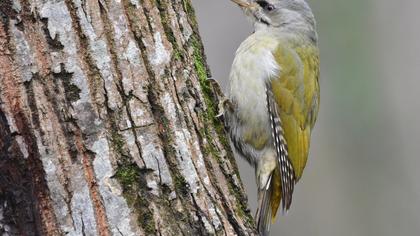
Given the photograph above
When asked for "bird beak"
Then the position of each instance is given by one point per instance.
(242, 3)
(251, 8)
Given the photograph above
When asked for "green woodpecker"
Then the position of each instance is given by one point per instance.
(274, 99)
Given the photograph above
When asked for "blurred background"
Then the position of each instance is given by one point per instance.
(363, 174)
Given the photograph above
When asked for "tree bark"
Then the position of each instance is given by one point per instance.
(107, 123)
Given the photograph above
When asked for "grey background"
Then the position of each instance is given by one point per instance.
(362, 177)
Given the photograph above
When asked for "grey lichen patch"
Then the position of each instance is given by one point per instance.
(182, 141)
(24, 54)
(58, 18)
(59, 25)
(83, 216)
(168, 23)
(70, 196)
(132, 53)
(133, 183)
(111, 191)
(95, 43)
(154, 159)
(161, 55)
(135, 3)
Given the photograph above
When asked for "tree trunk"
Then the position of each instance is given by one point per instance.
(107, 123)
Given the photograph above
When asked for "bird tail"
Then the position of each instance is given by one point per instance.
(263, 215)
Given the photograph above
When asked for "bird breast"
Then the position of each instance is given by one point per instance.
(254, 65)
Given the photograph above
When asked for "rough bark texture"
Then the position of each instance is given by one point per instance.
(107, 123)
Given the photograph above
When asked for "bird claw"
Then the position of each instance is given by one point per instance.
(221, 108)
(225, 103)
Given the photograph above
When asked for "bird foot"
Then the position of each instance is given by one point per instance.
(224, 105)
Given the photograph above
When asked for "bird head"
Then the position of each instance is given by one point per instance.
(292, 14)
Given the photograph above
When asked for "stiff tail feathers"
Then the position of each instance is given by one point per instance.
(263, 215)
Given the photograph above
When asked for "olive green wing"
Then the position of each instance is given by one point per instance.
(296, 93)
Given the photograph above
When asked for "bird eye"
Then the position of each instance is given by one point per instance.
(266, 6)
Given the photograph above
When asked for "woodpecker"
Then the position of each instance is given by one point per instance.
(274, 99)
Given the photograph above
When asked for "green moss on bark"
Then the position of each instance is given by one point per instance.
(211, 120)
(133, 182)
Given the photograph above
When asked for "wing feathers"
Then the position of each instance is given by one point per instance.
(287, 173)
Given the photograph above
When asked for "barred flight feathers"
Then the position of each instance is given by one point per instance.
(287, 174)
